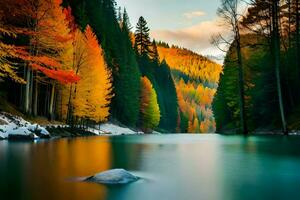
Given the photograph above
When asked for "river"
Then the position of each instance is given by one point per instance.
(172, 167)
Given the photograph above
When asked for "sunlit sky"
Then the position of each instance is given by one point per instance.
(187, 23)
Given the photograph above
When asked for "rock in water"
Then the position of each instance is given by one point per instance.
(114, 176)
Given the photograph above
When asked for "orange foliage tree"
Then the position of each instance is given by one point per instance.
(92, 94)
(8, 53)
(48, 36)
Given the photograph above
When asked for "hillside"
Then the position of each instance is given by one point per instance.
(196, 79)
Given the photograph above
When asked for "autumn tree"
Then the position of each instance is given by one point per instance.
(76, 58)
(8, 53)
(150, 114)
(93, 92)
(119, 54)
(43, 24)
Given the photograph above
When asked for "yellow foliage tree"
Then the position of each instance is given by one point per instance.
(150, 113)
(8, 52)
(7, 67)
(93, 92)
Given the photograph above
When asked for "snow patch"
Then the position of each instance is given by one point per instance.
(116, 130)
(17, 126)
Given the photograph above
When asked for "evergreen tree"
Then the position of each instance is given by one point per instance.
(128, 80)
(154, 52)
(261, 90)
(126, 22)
(160, 76)
(230, 15)
(167, 97)
(142, 38)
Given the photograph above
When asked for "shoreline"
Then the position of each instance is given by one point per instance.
(14, 127)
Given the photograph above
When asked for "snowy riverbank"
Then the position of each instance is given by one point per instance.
(14, 127)
(117, 130)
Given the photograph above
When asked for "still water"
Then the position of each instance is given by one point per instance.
(173, 167)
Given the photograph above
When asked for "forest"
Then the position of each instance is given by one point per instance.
(80, 62)
(259, 87)
(83, 63)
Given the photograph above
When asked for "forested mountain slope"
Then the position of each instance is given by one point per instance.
(196, 79)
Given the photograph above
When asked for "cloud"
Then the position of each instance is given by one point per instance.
(197, 37)
(193, 14)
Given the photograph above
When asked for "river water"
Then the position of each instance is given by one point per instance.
(172, 167)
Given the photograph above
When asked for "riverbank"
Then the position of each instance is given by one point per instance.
(16, 128)
(260, 132)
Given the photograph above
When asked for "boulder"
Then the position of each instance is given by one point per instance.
(20, 133)
(114, 176)
(38, 130)
(3, 122)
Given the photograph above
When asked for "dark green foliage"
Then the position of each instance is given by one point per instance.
(78, 11)
(153, 54)
(184, 122)
(167, 97)
(113, 31)
(271, 71)
(129, 81)
(160, 76)
(163, 44)
(261, 95)
(225, 105)
(142, 38)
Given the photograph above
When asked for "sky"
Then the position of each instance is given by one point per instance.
(187, 23)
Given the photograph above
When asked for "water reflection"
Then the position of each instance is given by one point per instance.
(40, 171)
(173, 167)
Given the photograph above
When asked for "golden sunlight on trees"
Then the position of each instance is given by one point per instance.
(191, 64)
(93, 92)
(89, 99)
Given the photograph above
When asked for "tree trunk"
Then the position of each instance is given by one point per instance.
(51, 103)
(69, 112)
(35, 101)
(276, 49)
(23, 86)
(46, 104)
(241, 83)
(31, 92)
(297, 33)
(27, 91)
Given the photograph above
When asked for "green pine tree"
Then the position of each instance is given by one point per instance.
(142, 38)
